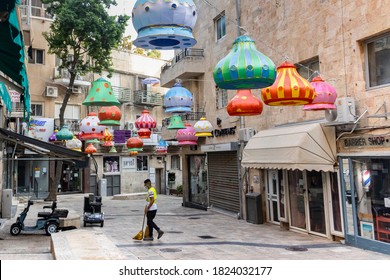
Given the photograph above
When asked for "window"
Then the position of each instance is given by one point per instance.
(377, 57)
(220, 25)
(37, 56)
(38, 9)
(221, 98)
(142, 163)
(71, 111)
(111, 164)
(308, 68)
(36, 110)
(175, 162)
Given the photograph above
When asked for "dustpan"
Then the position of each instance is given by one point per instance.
(140, 235)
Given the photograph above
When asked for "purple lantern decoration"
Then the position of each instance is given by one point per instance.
(325, 96)
(186, 136)
(178, 99)
(164, 25)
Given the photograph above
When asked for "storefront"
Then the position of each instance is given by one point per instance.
(365, 180)
(294, 168)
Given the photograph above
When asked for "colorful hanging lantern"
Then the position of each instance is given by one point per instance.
(203, 128)
(325, 96)
(186, 136)
(175, 122)
(162, 147)
(101, 94)
(112, 150)
(110, 115)
(178, 99)
(90, 149)
(244, 67)
(144, 133)
(107, 138)
(74, 144)
(90, 128)
(145, 121)
(134, 145)
(289, 88)
(64, 134)
(164, 25)
(244, 103)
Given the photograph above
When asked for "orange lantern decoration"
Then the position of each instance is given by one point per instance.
(107, 138)
(90, 149)
(244, 104)
(110, 115)
(289, 88)
(134, 145)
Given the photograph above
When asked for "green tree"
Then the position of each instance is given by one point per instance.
(154, 54)
(84, 30)
(126, 44)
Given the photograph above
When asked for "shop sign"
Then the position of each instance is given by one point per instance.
(366, 141)
(223, 132)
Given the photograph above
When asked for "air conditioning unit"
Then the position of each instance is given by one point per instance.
(244, 134)
(344, 113)
(130, 126)
(51, 91)
(76, 90)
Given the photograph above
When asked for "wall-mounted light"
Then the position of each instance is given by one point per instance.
(219, 121)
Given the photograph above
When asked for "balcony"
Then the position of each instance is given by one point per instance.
(122, 94)
(147, 98)
(191, 118)
(62, 76)
(187, 64)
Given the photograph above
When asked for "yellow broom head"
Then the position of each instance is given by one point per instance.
(139, 236)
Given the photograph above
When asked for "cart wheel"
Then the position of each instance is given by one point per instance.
(51, 228)
(102, 224)
(15, 229)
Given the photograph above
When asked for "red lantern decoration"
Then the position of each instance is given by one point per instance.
(145, 121)
(110, 115)
(134, 145)
(325, 96)
(144, 133)
(289, 88)
(244, 103)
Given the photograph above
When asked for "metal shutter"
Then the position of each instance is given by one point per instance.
(223, 180)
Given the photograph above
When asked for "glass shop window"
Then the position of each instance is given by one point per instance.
(377, 58)
(37, 57)
(111, 164)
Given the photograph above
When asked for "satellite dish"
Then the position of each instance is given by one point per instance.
(330, 115)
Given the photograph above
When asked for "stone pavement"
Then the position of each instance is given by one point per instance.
(190, 234)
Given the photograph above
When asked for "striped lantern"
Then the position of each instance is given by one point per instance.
(289, 88)
(244, 67)
(145, 123)
(325, 96)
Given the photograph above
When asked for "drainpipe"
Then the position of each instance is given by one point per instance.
(242, 123)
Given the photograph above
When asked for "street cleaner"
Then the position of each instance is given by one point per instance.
(151, 210)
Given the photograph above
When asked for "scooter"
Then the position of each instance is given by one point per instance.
(49, 221)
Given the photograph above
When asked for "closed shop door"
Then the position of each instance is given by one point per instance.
(113, 185)
(223, 181)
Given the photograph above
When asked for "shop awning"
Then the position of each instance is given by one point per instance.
(307, 146)
(44, 148)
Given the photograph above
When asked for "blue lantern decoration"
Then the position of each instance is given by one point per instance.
(178, 99)
(164, 25)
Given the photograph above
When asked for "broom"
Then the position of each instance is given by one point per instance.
(140, 235)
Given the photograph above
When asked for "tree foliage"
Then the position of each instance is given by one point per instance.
(84, 30)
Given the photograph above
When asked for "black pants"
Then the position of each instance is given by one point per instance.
(150, 216)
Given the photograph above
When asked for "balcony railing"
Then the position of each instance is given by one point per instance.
(192, 116)
(191, 52)
(149, 98)
(122, 94)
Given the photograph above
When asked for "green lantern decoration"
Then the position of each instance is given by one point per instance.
(244, 67)
(176, 123)
(101, 94)
(64, 134)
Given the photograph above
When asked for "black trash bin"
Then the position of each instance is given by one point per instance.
(254, 212)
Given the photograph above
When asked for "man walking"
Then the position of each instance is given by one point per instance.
(151, 210)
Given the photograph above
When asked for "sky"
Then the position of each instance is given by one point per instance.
(126, 7)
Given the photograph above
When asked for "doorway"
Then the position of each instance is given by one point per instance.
(273, 196)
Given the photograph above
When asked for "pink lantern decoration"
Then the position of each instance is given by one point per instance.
(186, 136)
(90, 128)
(325, 96)
(145, 123)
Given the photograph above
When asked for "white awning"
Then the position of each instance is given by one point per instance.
(306, 146)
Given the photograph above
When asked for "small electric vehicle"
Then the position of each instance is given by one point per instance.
(47, 220)
(93, 210)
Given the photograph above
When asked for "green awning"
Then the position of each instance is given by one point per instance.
(5, 96)
(12, 51)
